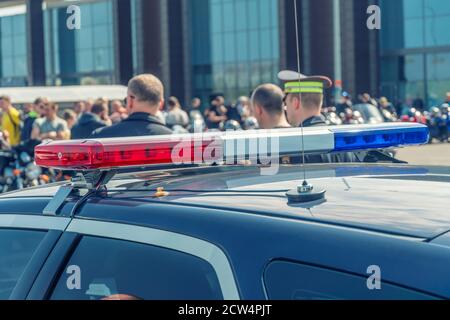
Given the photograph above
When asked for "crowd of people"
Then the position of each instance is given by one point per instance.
(145, 112)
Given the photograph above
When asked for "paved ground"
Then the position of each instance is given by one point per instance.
(435, 154)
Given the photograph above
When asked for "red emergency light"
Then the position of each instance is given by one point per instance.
(118, 153)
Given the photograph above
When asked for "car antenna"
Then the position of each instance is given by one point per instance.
(306, 191)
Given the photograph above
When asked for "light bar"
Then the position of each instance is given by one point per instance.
(366, 137)
(226, 147)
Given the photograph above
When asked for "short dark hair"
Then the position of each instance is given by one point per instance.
(40, 100)
(269, 97)
(53, 106)
(6, 98)
(147, 88)
(173, 102)
(69, 114)
(311, 101)
(98, 108)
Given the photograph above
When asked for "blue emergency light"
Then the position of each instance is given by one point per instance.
(379, 136)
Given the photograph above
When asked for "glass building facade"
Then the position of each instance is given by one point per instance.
(415, 49)
(13, 53)
(235, 45)
(84, 56)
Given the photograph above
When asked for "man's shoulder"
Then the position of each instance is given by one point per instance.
(60, 122)
(107, 132)
(14, 112)
(39, 121)
(123, 129)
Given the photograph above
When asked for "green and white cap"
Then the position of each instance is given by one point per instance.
(299, 83)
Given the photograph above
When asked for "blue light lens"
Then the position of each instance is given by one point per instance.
(396, 135)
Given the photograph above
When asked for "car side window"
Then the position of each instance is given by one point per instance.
(16, 250)
(103, 268)
(295, 281)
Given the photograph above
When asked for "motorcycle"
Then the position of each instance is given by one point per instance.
(438, 122)
(19, 170)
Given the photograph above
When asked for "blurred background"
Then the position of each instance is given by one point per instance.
(211, 54)
(202, 47)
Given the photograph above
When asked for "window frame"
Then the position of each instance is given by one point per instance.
(343, 275)
(204, 250)
(51, 227)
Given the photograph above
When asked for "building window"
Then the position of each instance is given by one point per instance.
(240, 45)
(415, 48)
(84, 56)
(13, 53)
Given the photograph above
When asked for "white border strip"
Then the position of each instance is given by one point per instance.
(13, 10)
(196, 247)
(33, 222)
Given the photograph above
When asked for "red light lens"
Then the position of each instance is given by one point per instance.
(117, 153)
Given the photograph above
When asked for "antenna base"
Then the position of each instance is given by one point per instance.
(305, 193)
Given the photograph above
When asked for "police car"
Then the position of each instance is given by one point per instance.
(125, 230)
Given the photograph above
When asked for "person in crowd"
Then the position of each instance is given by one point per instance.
(386, 105)
(11, 121)
(176, 115)
(195, 108)
(119, 112)
(400, 108)
(39, 106)
(217, 113)
(344, 103)
(79, 108)
(366, 98)
(88, 104)
(89, 122)
(145, 97)
(418, 103)
(70, 117)
(29, 117)
(105, 115)
(51, 126)
(447, 100)
(268, 107)
(243, 108)
(5, 144)
(234, 111)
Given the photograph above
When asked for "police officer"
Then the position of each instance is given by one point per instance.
(304, 98)
(145, 98)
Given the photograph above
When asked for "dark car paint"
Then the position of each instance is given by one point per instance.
(252, 239)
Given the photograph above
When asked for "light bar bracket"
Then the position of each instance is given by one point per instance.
(58, 200)
(93, 181)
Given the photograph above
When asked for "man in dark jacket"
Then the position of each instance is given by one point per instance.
(89, 122)
(145, 98)
(30, 116)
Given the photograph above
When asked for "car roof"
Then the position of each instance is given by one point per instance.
(394, 199)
